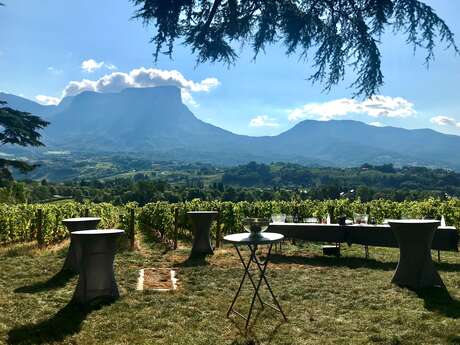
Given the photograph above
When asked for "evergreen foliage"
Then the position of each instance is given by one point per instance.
(340, 32)
(18, 128)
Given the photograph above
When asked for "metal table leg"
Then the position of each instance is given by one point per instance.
(247, 272)
(262, 267)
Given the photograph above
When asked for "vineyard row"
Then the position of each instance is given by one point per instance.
(42, 222)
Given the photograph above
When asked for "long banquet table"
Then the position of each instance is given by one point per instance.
(445, 238)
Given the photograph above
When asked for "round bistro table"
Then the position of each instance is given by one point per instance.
(252, 242)
(415, 267)
(72, 260)
(97, 279)
(201, 226)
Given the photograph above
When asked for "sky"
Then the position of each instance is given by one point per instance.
(51, 49)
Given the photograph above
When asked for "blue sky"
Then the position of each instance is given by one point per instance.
(47, 44)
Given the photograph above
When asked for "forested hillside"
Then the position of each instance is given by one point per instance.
(143, 181)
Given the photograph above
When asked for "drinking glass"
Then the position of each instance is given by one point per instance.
(360, 218)
(278, 218)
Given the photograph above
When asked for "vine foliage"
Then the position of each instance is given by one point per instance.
(19, 223)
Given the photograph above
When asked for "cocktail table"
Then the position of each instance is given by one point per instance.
(72, 260)
(264, 238)
(415, 268)
(201, 225)
(97, 279)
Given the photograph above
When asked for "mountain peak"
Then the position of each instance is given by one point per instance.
(170, 92)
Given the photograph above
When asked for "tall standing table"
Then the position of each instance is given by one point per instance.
(201, 226)
(415, 267)
(252, 242)
(72, 260)
(97, 279)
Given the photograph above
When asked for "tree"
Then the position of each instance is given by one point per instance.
(18, 128)
(341, 32)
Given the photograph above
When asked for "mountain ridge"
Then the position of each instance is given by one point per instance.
(155, 120)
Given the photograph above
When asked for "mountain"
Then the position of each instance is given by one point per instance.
(27, 105)
(141, 120)
(348, 142)
(154, 121)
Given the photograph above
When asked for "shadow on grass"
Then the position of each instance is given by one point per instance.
(269, 337)
(440, 301)
(60, 279)
(193, 261)
(64, 323)
(453, 339)
(350, 262)
(447, 267)
(153, 241)
(248, 335)
(248, 338)
(19, 249)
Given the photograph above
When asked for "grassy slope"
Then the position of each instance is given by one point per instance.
(328, 301)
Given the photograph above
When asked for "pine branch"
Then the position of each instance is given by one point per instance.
(341, 32)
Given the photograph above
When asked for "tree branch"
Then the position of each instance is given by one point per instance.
(342, 31)
(214, 8)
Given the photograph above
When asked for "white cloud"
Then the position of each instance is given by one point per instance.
(47, 100)
(377, 124)
(188, 99)
(142, 77)
(111, 66)
(139, 77)
(445, 121)
(91, 65)
(263, 121)
(385, 106)
(54, 70)
(376, 106)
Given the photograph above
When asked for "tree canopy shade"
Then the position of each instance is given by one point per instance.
(18, 128)
(340, 32)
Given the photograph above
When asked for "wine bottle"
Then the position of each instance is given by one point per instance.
(443, 221)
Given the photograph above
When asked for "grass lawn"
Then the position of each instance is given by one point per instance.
(328, 300)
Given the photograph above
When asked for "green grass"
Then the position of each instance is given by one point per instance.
(328, 300)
